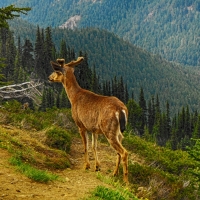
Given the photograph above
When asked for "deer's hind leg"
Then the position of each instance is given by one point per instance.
(94, 146)
(84, 136)
(122, 155)
(116, 171)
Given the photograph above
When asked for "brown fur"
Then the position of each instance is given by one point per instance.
(94, 113)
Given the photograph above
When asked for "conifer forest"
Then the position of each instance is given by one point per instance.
(31, 60)
(156, 77)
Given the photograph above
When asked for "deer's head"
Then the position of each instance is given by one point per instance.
(61, 69)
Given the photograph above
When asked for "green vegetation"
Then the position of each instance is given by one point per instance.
(167, 28)
(154, 171)
(19, 134)
(39, 137)
(168, 171)
(102, 192)
(10, 12)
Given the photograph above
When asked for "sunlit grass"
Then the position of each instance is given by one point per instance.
(105, 193)
(31, 172)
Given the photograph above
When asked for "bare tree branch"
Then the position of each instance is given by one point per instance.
(26, 89)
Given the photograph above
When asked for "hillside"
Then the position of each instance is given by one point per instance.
(16, 186)
(32, 166)
(112, 56)
(168, 28)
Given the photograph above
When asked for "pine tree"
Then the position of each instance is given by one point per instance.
(167, 123)
(40, 55)
(64, 101)
(44, 103)
(126, 94)
(195, 154)
(135, 113)
(83, 73)
(188, 127)
(196, 132)
(27, 56)
(48, 51)
(121, 90)
(64, 53)
(142, 104)
(10, 54)
(2, 77)
(95, 86)
(114, 87)
(10, 12)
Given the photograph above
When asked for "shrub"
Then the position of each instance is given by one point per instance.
(102, 192)
(58, 138)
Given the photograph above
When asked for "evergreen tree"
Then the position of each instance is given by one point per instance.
(114, 87)
(107, 88)
(48, 51)
(64, 101)
(95, 86)
(27, 56)
(121, 90)
(44, 103)
(126, 94)
(195, 154)
(142, 104)
(9, 55)
(188, 128)
(83, 73)
(134, 116)
(167, 123)
(10, 12)
(196, 132)
(2, 77)
(39, 55)
(64, 53)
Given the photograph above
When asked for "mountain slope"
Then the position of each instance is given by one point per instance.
(169, 28)
(113, 56)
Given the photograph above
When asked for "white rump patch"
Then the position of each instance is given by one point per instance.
(124, 114)
(117, 115)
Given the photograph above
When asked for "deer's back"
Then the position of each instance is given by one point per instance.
(90, 110)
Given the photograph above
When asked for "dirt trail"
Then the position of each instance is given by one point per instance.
(76, 185)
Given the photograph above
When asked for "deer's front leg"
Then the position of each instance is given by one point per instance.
(94, 146)
(84, 136)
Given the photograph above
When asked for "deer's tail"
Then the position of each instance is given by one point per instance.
(122, 120)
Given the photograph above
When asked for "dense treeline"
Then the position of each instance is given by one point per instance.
(113, 56)
(169, 28)
(146, 117)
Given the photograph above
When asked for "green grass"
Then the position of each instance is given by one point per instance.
(105, 193)
(31, 172)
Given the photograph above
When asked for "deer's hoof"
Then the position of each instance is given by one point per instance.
(87, 166)
(97, 169)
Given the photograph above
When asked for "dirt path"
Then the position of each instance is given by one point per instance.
(76, 185)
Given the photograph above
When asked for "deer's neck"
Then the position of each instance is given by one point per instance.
(71, 87)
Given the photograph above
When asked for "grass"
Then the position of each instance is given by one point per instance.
(105, 193)
(26, 136)
(164, 173)
(33, 173)
(119, 190)
(159, 173)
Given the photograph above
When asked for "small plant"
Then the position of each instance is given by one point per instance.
(105, 193)
(58, 138)
(31, 172)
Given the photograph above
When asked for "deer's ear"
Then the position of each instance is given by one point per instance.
(56, 66)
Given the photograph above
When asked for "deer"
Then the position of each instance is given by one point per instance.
(94, 113)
